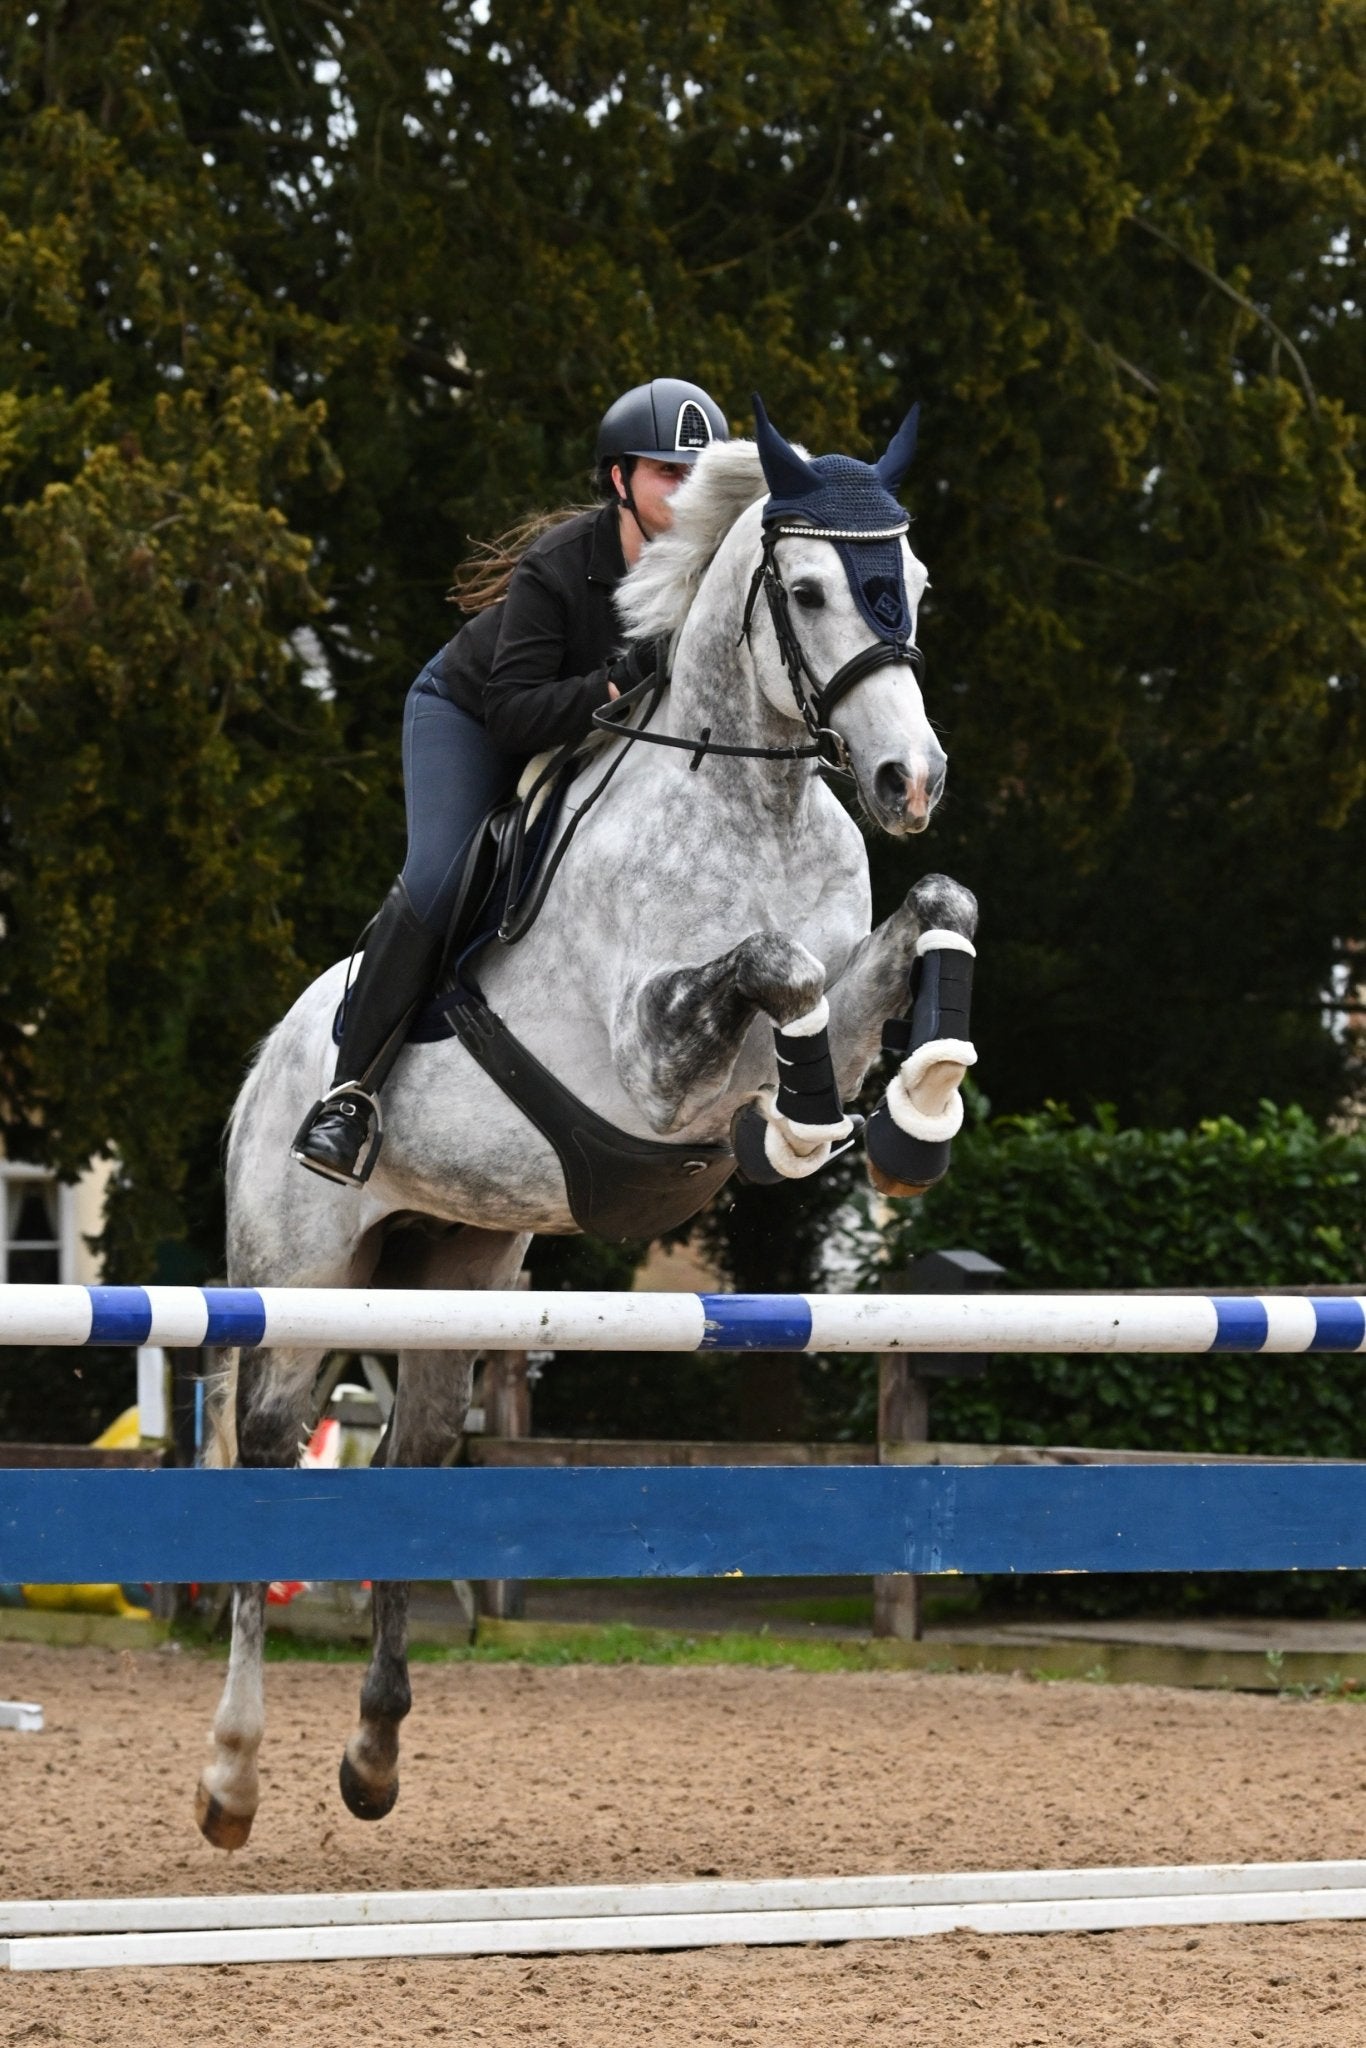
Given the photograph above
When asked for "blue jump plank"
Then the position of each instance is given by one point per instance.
(683, 1522)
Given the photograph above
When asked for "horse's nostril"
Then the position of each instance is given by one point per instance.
(889, 785)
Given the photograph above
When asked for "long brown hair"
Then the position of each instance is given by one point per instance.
(483, 577)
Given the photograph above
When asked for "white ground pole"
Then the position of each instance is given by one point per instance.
(336, 1926)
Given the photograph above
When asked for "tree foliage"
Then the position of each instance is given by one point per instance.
(296, 300)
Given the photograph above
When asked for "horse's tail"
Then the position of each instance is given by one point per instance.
(220, 1410)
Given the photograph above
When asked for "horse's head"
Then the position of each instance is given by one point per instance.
(832, 618)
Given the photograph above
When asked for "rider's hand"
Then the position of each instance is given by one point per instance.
(642, 660)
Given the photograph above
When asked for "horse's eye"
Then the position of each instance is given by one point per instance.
(809, 596)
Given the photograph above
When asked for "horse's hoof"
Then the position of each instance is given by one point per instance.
(223, 1829)
(747, 1142)
(899, 1164)
(900, 1190)
(367, 1802)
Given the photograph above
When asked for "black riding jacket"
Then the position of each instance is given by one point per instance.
(533, 669)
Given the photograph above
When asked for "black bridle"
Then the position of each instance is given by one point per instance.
(815, 700)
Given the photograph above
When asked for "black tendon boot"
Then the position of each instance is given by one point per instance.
(340, 1136)
(909, 1135)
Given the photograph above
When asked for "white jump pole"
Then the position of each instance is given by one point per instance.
(435, 1320)
(211, 1912)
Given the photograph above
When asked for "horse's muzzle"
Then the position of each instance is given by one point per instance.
(904, 793)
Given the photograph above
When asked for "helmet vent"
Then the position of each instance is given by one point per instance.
(694, 428)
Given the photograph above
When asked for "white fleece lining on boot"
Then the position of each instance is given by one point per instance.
(782, 1153)
(943, 942)
(792, 1165)
(941, 1116)
(807, 1026)
(815, 1134)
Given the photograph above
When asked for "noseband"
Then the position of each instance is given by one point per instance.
(815, 699)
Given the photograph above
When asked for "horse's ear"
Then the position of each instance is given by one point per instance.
(787, 474)
(892, 466)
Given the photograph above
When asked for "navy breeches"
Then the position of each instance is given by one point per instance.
(453, 774)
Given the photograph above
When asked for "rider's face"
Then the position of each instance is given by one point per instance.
(652, 486)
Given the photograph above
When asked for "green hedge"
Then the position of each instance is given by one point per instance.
(1061, 1204)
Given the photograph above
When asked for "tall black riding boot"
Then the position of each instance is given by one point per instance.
(340, 1137)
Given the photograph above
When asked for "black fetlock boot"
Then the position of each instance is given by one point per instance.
(340, 1137)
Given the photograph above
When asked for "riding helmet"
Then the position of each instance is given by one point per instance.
(667, 420)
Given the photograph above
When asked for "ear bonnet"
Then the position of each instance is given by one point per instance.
(850, 503)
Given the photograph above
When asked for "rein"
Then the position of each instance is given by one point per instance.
(607, 718)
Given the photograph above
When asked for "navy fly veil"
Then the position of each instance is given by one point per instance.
(850, 503)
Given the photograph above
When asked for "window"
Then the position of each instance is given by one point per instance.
(35, 1231)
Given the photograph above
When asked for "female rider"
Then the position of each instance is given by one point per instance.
(526, 673)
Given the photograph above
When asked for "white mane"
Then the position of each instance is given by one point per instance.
(655, 595)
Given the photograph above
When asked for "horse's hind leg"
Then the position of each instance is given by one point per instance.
(429, 1413)
(274, 1390)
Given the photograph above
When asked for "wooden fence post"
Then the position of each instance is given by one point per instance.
(903, 1407)
(507, 1413)
(903, 1417)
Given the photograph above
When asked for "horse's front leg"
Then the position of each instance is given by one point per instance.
(907, 990)
(678, 1034)
(273, 1398)
(424, 1428)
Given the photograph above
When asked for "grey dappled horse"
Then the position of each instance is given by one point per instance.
(696, 912)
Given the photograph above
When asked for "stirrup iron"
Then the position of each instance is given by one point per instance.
(346, 1098)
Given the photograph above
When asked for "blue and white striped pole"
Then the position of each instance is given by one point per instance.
(433, 1320)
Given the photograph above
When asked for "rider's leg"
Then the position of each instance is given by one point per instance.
(453, 775)
(340, 1136)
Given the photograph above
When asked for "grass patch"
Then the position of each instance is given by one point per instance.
(616, 1643)
(855, 1610)
(1334, 1687)
(620, 1643)
(835, 1610)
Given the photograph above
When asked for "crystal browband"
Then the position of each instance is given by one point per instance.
(841, 532)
